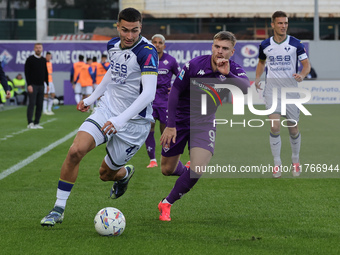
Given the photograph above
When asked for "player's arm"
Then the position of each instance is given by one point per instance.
(305, 70)
(28, 75)
(149, 83)
(181, 83)
(239, 77)
(261, 65)
(169, 134)
(83, 105)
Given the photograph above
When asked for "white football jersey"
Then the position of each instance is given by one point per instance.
(282, 60)
(127, 67)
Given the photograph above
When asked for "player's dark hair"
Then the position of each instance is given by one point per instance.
(278, 14)
(104, 56)
(130, 15)
(48, 53)
(88, 59)
(81, 57)
(226, 36)
(94, 59)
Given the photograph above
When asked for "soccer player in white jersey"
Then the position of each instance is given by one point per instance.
(123, 117)
(282, 53)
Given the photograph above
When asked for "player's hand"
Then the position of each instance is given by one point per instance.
(169, 134)
(298, 77)
(8, 94)
(30, 89)
(81, 106)
(223, 66)
(258, 85)
(47, 89)
(108, 128)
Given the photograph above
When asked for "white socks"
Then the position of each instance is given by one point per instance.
(295, 143)
(62, 197)
(275, 146)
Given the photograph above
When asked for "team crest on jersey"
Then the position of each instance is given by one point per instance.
(126, 56)
(222, 77)
(165, 62)
(287, 48)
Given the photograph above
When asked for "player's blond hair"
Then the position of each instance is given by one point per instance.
(226, 36)
(158, 36)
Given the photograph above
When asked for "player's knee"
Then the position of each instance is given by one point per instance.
(275, 129)
(76, 153)
(166, 170)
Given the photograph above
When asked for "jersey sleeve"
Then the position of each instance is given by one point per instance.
(148, 60)
(301, 52)
(175, 67)
(181, 83)
(262, 56)
(240, 78)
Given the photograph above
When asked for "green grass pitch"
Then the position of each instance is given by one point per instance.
(220, 215)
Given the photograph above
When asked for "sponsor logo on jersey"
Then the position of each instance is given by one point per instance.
(163, 71)
(148, 47)
(150, 62)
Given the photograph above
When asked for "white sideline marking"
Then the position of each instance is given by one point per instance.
(36, 155)
(24, 130)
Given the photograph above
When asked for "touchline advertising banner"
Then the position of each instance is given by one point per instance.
(14, 54)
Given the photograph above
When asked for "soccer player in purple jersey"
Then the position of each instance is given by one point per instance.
(185, 123)
(168, 67)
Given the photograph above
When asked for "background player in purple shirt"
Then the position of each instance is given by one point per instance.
(168, 67)
(185, 122)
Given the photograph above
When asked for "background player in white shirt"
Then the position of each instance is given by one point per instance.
(282, 53)
(123, 116)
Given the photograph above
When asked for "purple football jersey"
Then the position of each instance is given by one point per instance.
(168, 67)
(197, 77)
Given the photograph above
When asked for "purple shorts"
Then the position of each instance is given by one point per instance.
(201, 136)
(160, 113)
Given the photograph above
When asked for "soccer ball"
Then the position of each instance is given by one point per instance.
(55, 101)
(109, 221)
